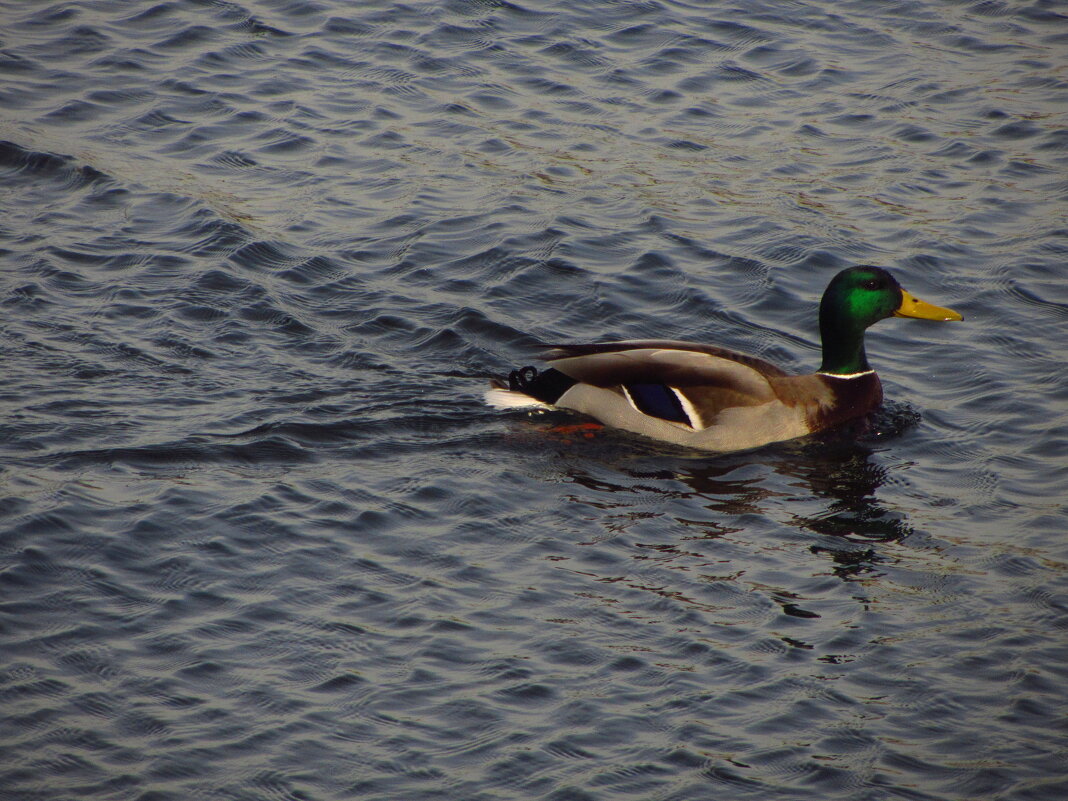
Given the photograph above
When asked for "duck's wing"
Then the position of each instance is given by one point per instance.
(761, 366)
(677, 382)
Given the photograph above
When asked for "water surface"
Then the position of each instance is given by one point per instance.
(259, 536)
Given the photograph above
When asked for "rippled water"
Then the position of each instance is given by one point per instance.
(259, 537)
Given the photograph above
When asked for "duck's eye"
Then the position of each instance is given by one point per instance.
(872, 283)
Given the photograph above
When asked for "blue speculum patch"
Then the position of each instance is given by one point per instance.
(657, 400)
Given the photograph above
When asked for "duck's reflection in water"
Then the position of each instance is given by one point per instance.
(769, 520)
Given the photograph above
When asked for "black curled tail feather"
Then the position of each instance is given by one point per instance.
(546, 386)
(521, 380)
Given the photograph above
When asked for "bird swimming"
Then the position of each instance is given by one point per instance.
(710, 398)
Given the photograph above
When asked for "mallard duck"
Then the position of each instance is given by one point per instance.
(709, 398)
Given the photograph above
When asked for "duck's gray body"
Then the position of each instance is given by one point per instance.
(725, 401)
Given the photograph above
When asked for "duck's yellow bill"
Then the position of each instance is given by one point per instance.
(921, 309)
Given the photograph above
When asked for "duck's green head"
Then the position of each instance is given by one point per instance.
(855, 299)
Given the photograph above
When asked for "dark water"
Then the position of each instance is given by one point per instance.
(262, 540)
